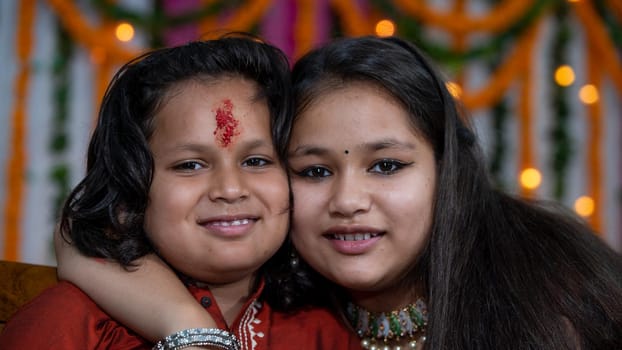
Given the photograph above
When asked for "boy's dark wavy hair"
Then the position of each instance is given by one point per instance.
(103, 216)
(500, 272)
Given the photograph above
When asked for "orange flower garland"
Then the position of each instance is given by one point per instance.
(248, 14)
(17, 158)
(242, 19)
(82, 32)
(595, 126)
(103, 70)
(597, 36)
(497, 20)
(616, 6)
(354, 22)
(303, 29)
(525, 107)
(459, 38)
(503, 77)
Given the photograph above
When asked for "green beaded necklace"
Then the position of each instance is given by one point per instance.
(408, 322)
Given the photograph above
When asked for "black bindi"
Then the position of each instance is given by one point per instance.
(346, 151)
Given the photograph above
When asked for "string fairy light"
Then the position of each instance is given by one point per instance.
(584, 206)
(564, 75)
(385, 28)
(454, 89)
(588, 94)
(124, 32)
(530, 178)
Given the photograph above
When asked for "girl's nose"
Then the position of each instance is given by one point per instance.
(349, 197)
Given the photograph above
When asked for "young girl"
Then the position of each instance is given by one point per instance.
(394, 211)
(392, 202)
(183, 163)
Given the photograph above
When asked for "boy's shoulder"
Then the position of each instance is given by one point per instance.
(64, 317)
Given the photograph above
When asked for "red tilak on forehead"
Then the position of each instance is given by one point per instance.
(226, 124)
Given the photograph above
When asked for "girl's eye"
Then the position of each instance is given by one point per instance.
(387, 166)
(314, 172)
(188, 166)
(256, 162)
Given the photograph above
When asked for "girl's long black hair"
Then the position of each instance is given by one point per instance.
(500, 272)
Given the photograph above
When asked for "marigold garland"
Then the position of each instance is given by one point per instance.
(242, 19)
(73, 20)
(103, 71)
(459, 39)
(355, 23)
(497, 20)
(597, 36)
(447, 55)
(525, 107)
(17, 158)
(595, 124)
(116, 12)
(248, 14)
(503, 77)
(616, 8)
(304, 26)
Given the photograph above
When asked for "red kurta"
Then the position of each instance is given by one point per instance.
(63, 317)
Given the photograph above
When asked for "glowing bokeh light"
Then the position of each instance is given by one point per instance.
(454, 89)
(588, 94)
(584, 206)
(124, 32)
(564, 75)
(530, 178)
(385, 27)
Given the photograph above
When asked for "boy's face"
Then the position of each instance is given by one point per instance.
(219, 199)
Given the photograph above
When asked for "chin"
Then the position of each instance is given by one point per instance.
(356, 281)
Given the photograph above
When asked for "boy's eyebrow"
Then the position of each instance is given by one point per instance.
(306, 150)
(258, 143)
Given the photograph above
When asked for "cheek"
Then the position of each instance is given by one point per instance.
(306, 207)
(410, 201)
(168, 202)
(274, 189)
(301, 240)
(306, 197)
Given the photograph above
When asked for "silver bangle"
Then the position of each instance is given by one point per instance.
(199, 337)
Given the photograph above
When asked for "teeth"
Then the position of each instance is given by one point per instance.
(231, 223)
(354, 237)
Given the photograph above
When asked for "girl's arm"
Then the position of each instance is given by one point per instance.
(150, 300)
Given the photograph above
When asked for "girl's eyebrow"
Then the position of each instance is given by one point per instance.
(308, 150)
(387, 143)
(315, 150)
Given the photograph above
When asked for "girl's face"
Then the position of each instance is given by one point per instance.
(364, 185)
(219, 199)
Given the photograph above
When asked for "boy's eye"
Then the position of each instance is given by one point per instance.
(256, 162)
(387, 166)
(188, 165)
(314, 172)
